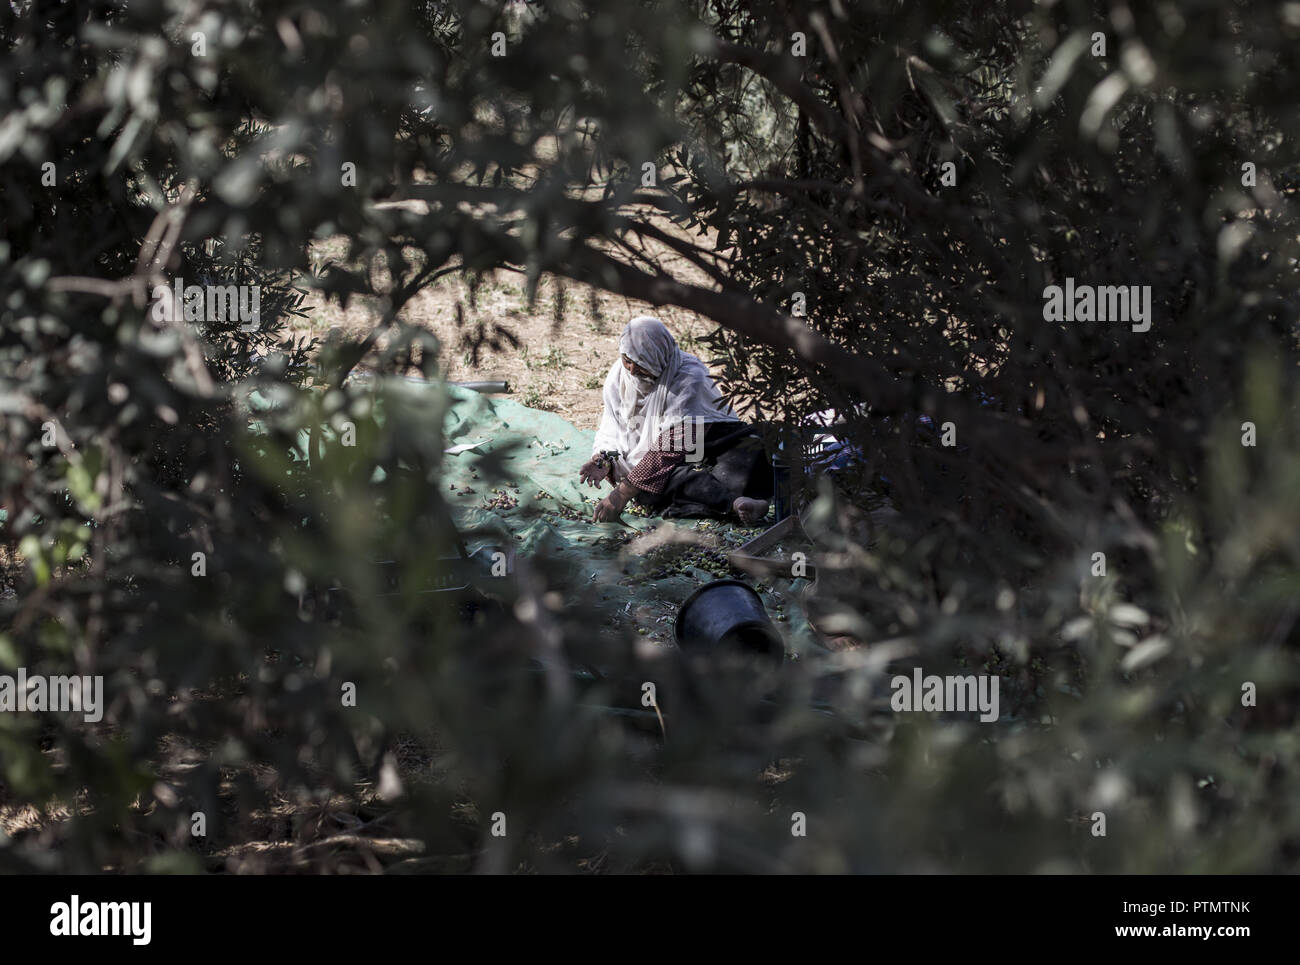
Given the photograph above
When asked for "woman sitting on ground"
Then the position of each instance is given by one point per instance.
(667, 440)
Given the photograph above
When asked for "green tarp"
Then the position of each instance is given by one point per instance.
(634, 585)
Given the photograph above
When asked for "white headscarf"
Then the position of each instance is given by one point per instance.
(637, 411)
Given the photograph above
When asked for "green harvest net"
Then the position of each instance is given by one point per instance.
(635, 573)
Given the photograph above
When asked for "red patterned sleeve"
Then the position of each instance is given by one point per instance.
(651, 473)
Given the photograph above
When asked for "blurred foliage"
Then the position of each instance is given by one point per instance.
(216, 142)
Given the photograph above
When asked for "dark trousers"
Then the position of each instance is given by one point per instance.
(733, 464)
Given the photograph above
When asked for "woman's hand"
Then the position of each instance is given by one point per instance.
(593, 472)
(610, 508)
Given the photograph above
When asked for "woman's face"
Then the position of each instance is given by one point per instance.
(638, 373)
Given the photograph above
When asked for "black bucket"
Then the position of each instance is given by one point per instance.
(727, 615)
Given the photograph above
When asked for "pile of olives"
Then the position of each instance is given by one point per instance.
(503, 499)
(677, 560)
